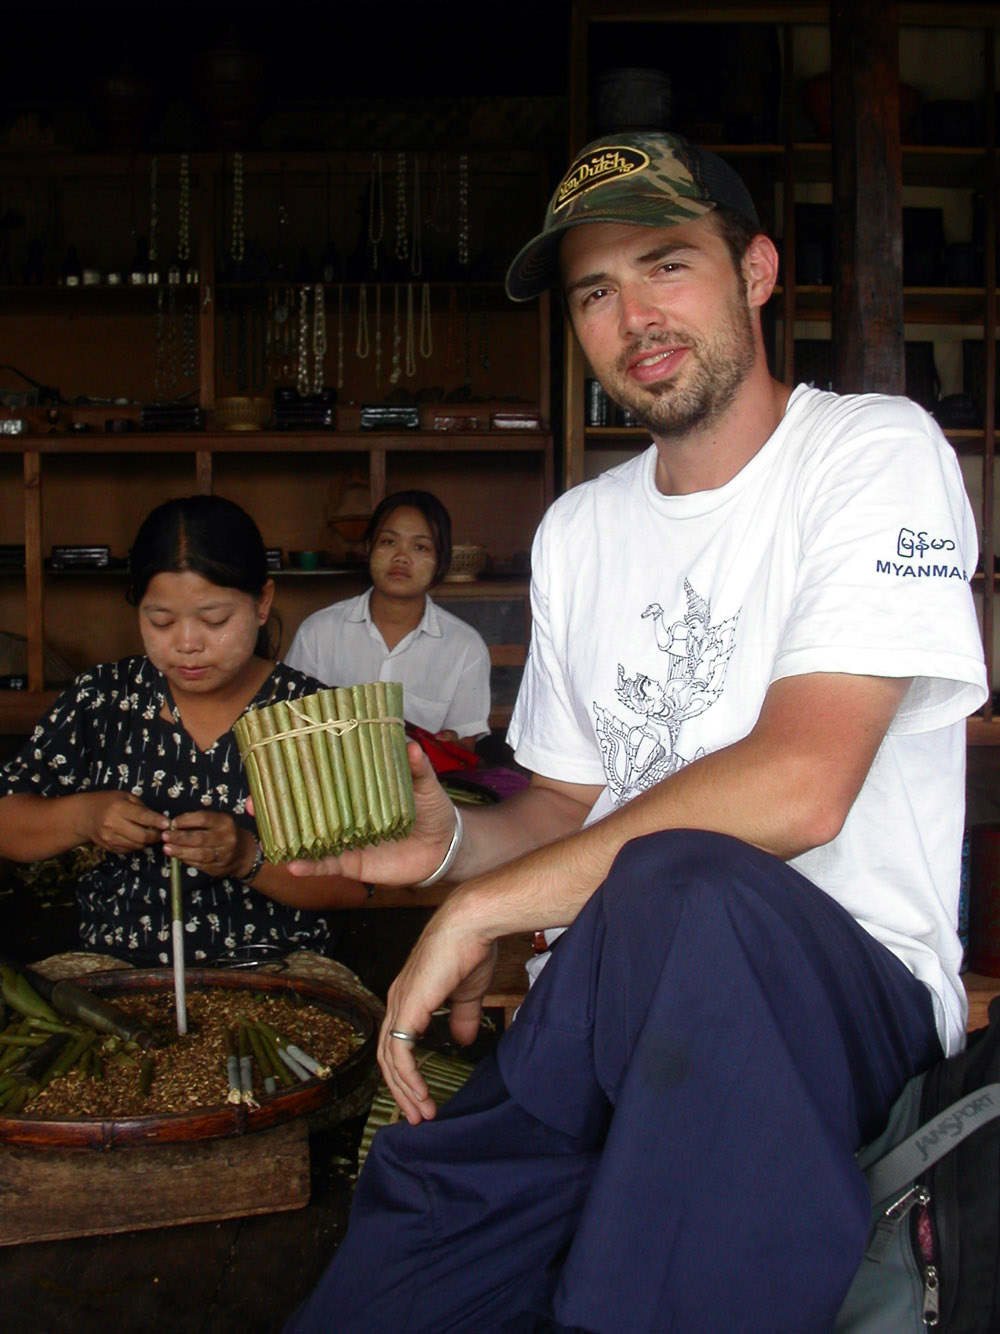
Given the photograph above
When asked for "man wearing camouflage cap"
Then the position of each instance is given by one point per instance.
(753, 650)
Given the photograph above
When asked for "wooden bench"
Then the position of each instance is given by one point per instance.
(510, 983)
(980, 991)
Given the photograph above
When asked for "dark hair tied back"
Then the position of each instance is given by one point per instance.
(438, 521)
(207, 535)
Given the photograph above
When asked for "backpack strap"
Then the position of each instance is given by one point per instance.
(932, 1141)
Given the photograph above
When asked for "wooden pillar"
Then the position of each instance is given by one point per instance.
(867, 197)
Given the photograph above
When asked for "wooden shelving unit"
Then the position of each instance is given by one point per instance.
(72, 479)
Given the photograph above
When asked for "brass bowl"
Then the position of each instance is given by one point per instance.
(242, 412)
(468, 561)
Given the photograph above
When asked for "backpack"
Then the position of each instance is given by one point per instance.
(933, 1256)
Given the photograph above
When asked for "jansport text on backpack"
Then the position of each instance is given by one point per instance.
(933, 1257)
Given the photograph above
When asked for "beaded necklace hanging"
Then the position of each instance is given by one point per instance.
(187, 273)
(376, 208)
(187, 340)
(463, 209)
(184, 212)
(402, 246)
(238, 244)
(319, 336)
(396, 371)
(160, 364)
(302, 370)
(411, 354)
(361, 345)
(417, 247)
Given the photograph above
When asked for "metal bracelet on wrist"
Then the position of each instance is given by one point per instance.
(258, 862)
(449, 856)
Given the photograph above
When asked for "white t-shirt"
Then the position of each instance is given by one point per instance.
(444, 665)
(846, 544)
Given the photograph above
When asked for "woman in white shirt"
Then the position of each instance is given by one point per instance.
(396, 632)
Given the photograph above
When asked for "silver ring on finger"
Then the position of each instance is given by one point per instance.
(401, 1036)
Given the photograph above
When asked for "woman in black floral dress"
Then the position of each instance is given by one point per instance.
(138, 757)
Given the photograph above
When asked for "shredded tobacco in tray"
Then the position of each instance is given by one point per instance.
(189, 1073)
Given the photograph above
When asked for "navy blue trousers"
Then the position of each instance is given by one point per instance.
(664, 1140)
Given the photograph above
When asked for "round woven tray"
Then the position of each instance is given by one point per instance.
(224, 1119)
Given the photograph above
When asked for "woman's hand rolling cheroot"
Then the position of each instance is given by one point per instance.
(119, 821)
(210, 841)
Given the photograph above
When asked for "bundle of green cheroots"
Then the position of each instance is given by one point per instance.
(328, 771)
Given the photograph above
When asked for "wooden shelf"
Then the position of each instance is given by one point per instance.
(269, 441)
(921, 305)
(104, 346)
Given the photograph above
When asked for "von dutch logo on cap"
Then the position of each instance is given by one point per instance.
(600, 168)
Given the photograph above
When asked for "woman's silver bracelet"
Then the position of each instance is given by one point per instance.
(449, 856)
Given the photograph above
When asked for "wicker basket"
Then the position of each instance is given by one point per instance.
(467, 563)
(242, 413)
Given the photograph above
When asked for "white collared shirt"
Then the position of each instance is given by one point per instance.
(444, 664)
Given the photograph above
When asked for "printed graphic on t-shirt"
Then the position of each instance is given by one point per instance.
(638, 754)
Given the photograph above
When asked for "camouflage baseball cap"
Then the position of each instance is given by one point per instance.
(651, 178)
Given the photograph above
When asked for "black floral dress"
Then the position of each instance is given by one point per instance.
(105, 731)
